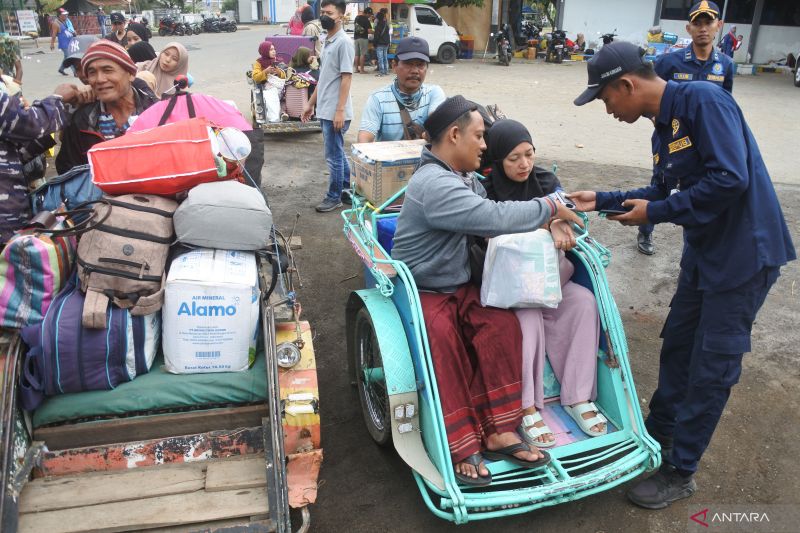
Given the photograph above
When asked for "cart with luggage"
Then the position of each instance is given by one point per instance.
(156, 369)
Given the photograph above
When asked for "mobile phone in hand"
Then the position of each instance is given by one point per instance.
(612, 212)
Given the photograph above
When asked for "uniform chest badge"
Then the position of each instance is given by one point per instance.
(675, 127)
(683, 76)
(717, 68)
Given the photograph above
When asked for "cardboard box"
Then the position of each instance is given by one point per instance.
(378, 170)
(210, 313)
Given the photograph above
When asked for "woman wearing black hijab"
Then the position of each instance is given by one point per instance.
(142, 51)
(568, 334)
(137, 33)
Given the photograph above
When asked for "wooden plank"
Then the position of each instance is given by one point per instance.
(137, 515)
(66, 492)
(239, 473)
(233, 525)
(149, 427)
(296, 243)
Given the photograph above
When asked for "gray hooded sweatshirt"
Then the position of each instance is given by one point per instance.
(441, 208)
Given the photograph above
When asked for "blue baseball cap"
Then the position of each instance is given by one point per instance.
(413, 48)
(704, 8)
(611, 62)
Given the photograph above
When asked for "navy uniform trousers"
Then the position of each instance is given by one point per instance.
(705, 336)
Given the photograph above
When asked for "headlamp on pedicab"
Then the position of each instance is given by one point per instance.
(288, 354)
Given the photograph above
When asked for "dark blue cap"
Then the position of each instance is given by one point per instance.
(413, 48)
(117, 18)
(704, 8)
(611, 62)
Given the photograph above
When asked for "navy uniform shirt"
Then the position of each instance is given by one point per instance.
(732, 221)
(683, 65)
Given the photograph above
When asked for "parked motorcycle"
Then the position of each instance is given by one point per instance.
(196, 28)
(531, 31)
(227, 25)
(170, 26)
(608, 38)
(556, 49)
(502, 39)
(211, 25)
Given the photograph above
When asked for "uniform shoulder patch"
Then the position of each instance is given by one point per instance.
(675, 126)
(717, 68)
(680, 144)
(656, 159)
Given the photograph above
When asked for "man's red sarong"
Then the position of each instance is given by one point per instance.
(477, 355)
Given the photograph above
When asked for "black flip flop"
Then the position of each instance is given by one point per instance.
(507, 454)
(481, 481)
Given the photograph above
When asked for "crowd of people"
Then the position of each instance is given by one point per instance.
(490, 362)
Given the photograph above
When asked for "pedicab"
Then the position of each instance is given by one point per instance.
(292, 96)
(391, 367)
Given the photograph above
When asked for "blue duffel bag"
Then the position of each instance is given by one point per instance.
(71, 189)
(65, 357)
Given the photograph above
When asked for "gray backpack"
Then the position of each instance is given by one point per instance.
(123, 259)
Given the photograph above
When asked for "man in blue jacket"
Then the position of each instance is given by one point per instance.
(697, 62)
(735, 241)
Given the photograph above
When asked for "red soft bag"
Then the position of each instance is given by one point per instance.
(164, 160)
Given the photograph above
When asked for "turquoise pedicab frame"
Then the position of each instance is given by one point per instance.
(577, 469)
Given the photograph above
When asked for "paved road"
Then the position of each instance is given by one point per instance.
(753, 456)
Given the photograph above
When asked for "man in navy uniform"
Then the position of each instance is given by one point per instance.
(735, 241)
(698, 62)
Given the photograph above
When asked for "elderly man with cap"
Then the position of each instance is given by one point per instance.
(698, 62)
(476, 350)
(119, 34)
(399, 110)
(735, 241)
(63, 30)
(110, 72)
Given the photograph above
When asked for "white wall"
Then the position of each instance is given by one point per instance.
(774, 42)
(284, 10)
(246, 10)
(592, 18)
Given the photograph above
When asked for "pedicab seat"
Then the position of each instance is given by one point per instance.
(159, 391)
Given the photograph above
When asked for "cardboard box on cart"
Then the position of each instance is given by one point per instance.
(378, 170)
(211, 310)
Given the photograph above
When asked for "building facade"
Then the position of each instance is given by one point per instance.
(770, 28)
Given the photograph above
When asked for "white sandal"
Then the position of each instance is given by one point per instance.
(530, 433)
(576, 412)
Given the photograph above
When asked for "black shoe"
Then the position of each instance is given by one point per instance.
(662, 488)
(328, 205)
(645, 243)
(61, 71)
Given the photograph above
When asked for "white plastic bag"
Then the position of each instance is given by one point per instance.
(272, 98)
(521, 270)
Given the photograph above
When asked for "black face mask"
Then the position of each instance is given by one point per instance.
(327, 22)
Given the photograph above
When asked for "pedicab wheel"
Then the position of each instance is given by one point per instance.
(370, 380)
(447, 53)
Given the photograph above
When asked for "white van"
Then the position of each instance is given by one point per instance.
(423, 21)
